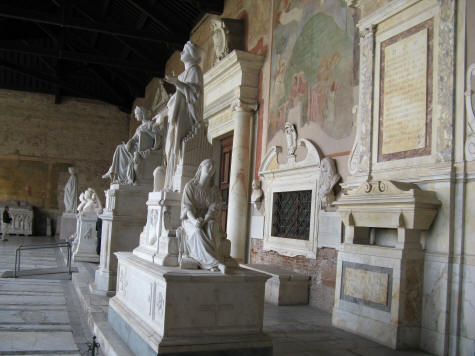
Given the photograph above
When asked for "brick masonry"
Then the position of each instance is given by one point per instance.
(40, 139)
(321, 270)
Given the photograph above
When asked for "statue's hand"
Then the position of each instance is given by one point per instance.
(171, 79)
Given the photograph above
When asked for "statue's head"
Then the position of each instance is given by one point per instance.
(72, 170)
(142, 114)
(206, 167)
(191, 53)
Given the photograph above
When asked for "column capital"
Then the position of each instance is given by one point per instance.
(367, 31)
(242, 106)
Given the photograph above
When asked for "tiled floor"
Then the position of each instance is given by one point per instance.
(39, 316)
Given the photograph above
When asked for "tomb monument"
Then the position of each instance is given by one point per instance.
(180, 291)
(131, 174)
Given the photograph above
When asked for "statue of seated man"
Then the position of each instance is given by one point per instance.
(202, 243)
(127, 155)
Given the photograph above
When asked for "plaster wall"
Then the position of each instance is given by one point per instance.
(40, 139)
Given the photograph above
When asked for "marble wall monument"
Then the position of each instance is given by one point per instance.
(198, 298)
(380, 263)
(301, 188)
(391, 262)
(131, 175)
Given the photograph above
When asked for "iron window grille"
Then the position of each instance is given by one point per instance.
(291, 214)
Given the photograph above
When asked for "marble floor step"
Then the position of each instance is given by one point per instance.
(33, 342)
(38, 272)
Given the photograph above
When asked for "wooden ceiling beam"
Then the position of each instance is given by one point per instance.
(83, 57)
(212, 6)
(78, 24)
(162, 18)
(52, 81)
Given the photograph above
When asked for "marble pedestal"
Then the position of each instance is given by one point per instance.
(380, 269)
(68, 225)
(168, 311)
(122, 221)
(158, 242)
(84, 249)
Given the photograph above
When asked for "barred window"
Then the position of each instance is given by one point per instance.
(291, 214)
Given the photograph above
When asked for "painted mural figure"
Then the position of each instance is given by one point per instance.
(200, 208)
(127, 155)
(185, 107)
(71, 191)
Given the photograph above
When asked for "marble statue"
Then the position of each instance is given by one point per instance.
(201, 240)
(90, 202)
(128, 155)
(328, 178)
(71, 191)
(158, 178)
(257, 193)
(291, 136)
(185, 107)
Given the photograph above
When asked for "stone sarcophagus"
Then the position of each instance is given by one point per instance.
(22, 218)
(380, 268)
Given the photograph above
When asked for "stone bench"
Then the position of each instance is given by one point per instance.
(285, 287)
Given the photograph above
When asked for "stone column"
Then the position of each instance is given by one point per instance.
(239, 179)
(360, 156)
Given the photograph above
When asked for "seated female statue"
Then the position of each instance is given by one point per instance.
(127, 154)
(200, 207)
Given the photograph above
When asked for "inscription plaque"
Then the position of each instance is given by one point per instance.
(405, 93)
(367, 285)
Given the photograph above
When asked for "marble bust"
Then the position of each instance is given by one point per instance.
(328, 179)
(257, 193)
(128, 155)
(90, 202)
(202, 243)
(185, 107)
(71, 191)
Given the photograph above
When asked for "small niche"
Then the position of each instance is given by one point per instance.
(385, 237)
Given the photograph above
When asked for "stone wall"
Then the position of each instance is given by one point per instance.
(40, 139)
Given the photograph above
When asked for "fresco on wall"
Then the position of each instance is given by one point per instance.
(312, 67)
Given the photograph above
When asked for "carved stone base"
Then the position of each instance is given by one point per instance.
(86, 239)
(158, 242)
(122, 221)
(68, 226)
(166, 310)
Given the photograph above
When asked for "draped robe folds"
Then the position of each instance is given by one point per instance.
(201, 242)
(123, 160)
(71, 191)
(185, 113)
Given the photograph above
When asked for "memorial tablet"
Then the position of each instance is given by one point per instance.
(405, 99)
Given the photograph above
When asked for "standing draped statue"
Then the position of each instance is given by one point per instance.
(71, 191)
(185, 107)
(128, 154)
